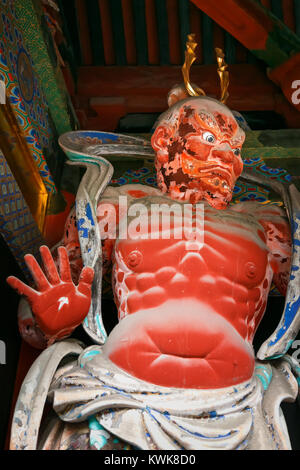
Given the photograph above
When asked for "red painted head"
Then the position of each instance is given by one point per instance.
(198, 151)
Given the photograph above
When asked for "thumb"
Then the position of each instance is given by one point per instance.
(86, 277)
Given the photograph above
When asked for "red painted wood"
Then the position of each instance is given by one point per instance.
(195, 27)
(248, 22)
(152, 38)
(289, 112)
(288, 11)
(144, 89)
(84, 34)
(287, 77)
(108, 93)
(158, 80)
(245, 20)
(109, 110)
(288, 14)
(54, 223)
(174, 32)
(128, 21)
(218, 36)
(107, 35)
(241, 53)
(266, 3)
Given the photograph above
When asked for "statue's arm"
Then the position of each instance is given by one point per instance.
(65, 255)
(279, 241)
(70, 240)
(58, 304)
(277, 235)
(65, 258)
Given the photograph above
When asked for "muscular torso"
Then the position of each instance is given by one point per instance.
(231, 271)
(188, 313)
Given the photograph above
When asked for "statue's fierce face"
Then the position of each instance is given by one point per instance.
(198, 151)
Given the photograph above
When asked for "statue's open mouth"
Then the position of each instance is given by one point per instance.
(215, 187)
(219, 176)
(219, 182)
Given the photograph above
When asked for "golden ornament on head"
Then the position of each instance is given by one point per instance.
(223, 74)
(190, 57)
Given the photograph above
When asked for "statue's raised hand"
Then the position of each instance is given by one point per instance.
(57, 304)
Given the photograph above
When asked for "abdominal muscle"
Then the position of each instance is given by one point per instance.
(187, 319)
(182, 343)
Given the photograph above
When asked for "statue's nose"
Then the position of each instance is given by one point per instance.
(226, 156)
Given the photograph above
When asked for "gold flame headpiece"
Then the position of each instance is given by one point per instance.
(190, 57)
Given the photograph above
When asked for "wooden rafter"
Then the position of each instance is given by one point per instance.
(264, 35)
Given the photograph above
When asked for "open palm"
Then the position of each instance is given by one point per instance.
(57, 304)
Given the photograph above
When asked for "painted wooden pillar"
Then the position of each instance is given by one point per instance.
(266, 37)
(30, 20)
(33, 112)
(17, 225)
(24, 95)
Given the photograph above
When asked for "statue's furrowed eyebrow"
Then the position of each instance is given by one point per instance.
(207, 122)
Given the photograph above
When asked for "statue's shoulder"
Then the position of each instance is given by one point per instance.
(267, 210)
(128, 192)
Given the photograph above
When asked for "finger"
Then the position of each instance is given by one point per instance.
(86, 276)
(39, 277)
(64, 265)
(49, 265)
(21, 288)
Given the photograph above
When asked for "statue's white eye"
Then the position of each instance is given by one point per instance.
(209, 137)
